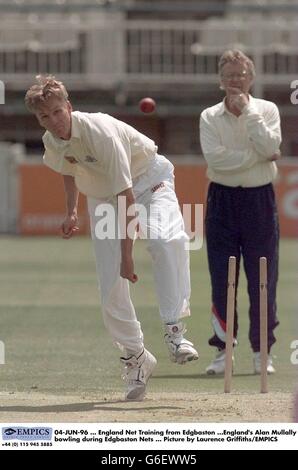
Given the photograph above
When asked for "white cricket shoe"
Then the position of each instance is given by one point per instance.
(137, 370)
(257, 364)
(217, 366)
(180, 349)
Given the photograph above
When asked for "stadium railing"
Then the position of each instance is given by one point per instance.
(103, 49)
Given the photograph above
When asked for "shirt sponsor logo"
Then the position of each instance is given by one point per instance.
(27, 434)
(157, 187)
(71, 160)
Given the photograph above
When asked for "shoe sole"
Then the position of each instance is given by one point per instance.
(268, 373)
(213, 372)
(183, 359)
(138, 394)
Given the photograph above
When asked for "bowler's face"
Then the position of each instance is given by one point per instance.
(235, 76)
(55, 116)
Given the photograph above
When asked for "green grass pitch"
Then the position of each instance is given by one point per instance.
(55, 341)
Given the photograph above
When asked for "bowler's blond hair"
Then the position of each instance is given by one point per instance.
(235, 56)
(46, 86)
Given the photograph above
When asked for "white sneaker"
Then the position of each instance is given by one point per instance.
(257, 364)
(180, 349)
(137, 370)
(217, 366)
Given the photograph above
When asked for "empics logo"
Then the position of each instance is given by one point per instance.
(27, 434)
(9, 431)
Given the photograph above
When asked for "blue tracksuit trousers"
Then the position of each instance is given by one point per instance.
(242, 222)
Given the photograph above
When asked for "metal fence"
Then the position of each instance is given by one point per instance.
(103, 49)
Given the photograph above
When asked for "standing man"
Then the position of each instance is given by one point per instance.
(240, 139)
(109, 161)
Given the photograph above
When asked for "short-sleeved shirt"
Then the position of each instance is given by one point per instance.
(104, 155)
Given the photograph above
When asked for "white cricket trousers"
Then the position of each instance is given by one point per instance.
(160, 219)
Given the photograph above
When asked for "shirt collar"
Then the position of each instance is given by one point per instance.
(75, 128)
(223, 109)
(61, 144)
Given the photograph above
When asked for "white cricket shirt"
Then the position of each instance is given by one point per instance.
(104, 155)
(237, 148)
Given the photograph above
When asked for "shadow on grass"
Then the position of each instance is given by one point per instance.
(200, 376)
(84, 407)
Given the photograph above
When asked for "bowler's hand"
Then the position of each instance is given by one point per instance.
(127, 269)
(69, 226)
(237, 98)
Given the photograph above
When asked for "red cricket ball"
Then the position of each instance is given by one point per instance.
(147, 105)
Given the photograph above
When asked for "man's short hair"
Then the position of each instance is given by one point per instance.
(47, 86)
(235, 56)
